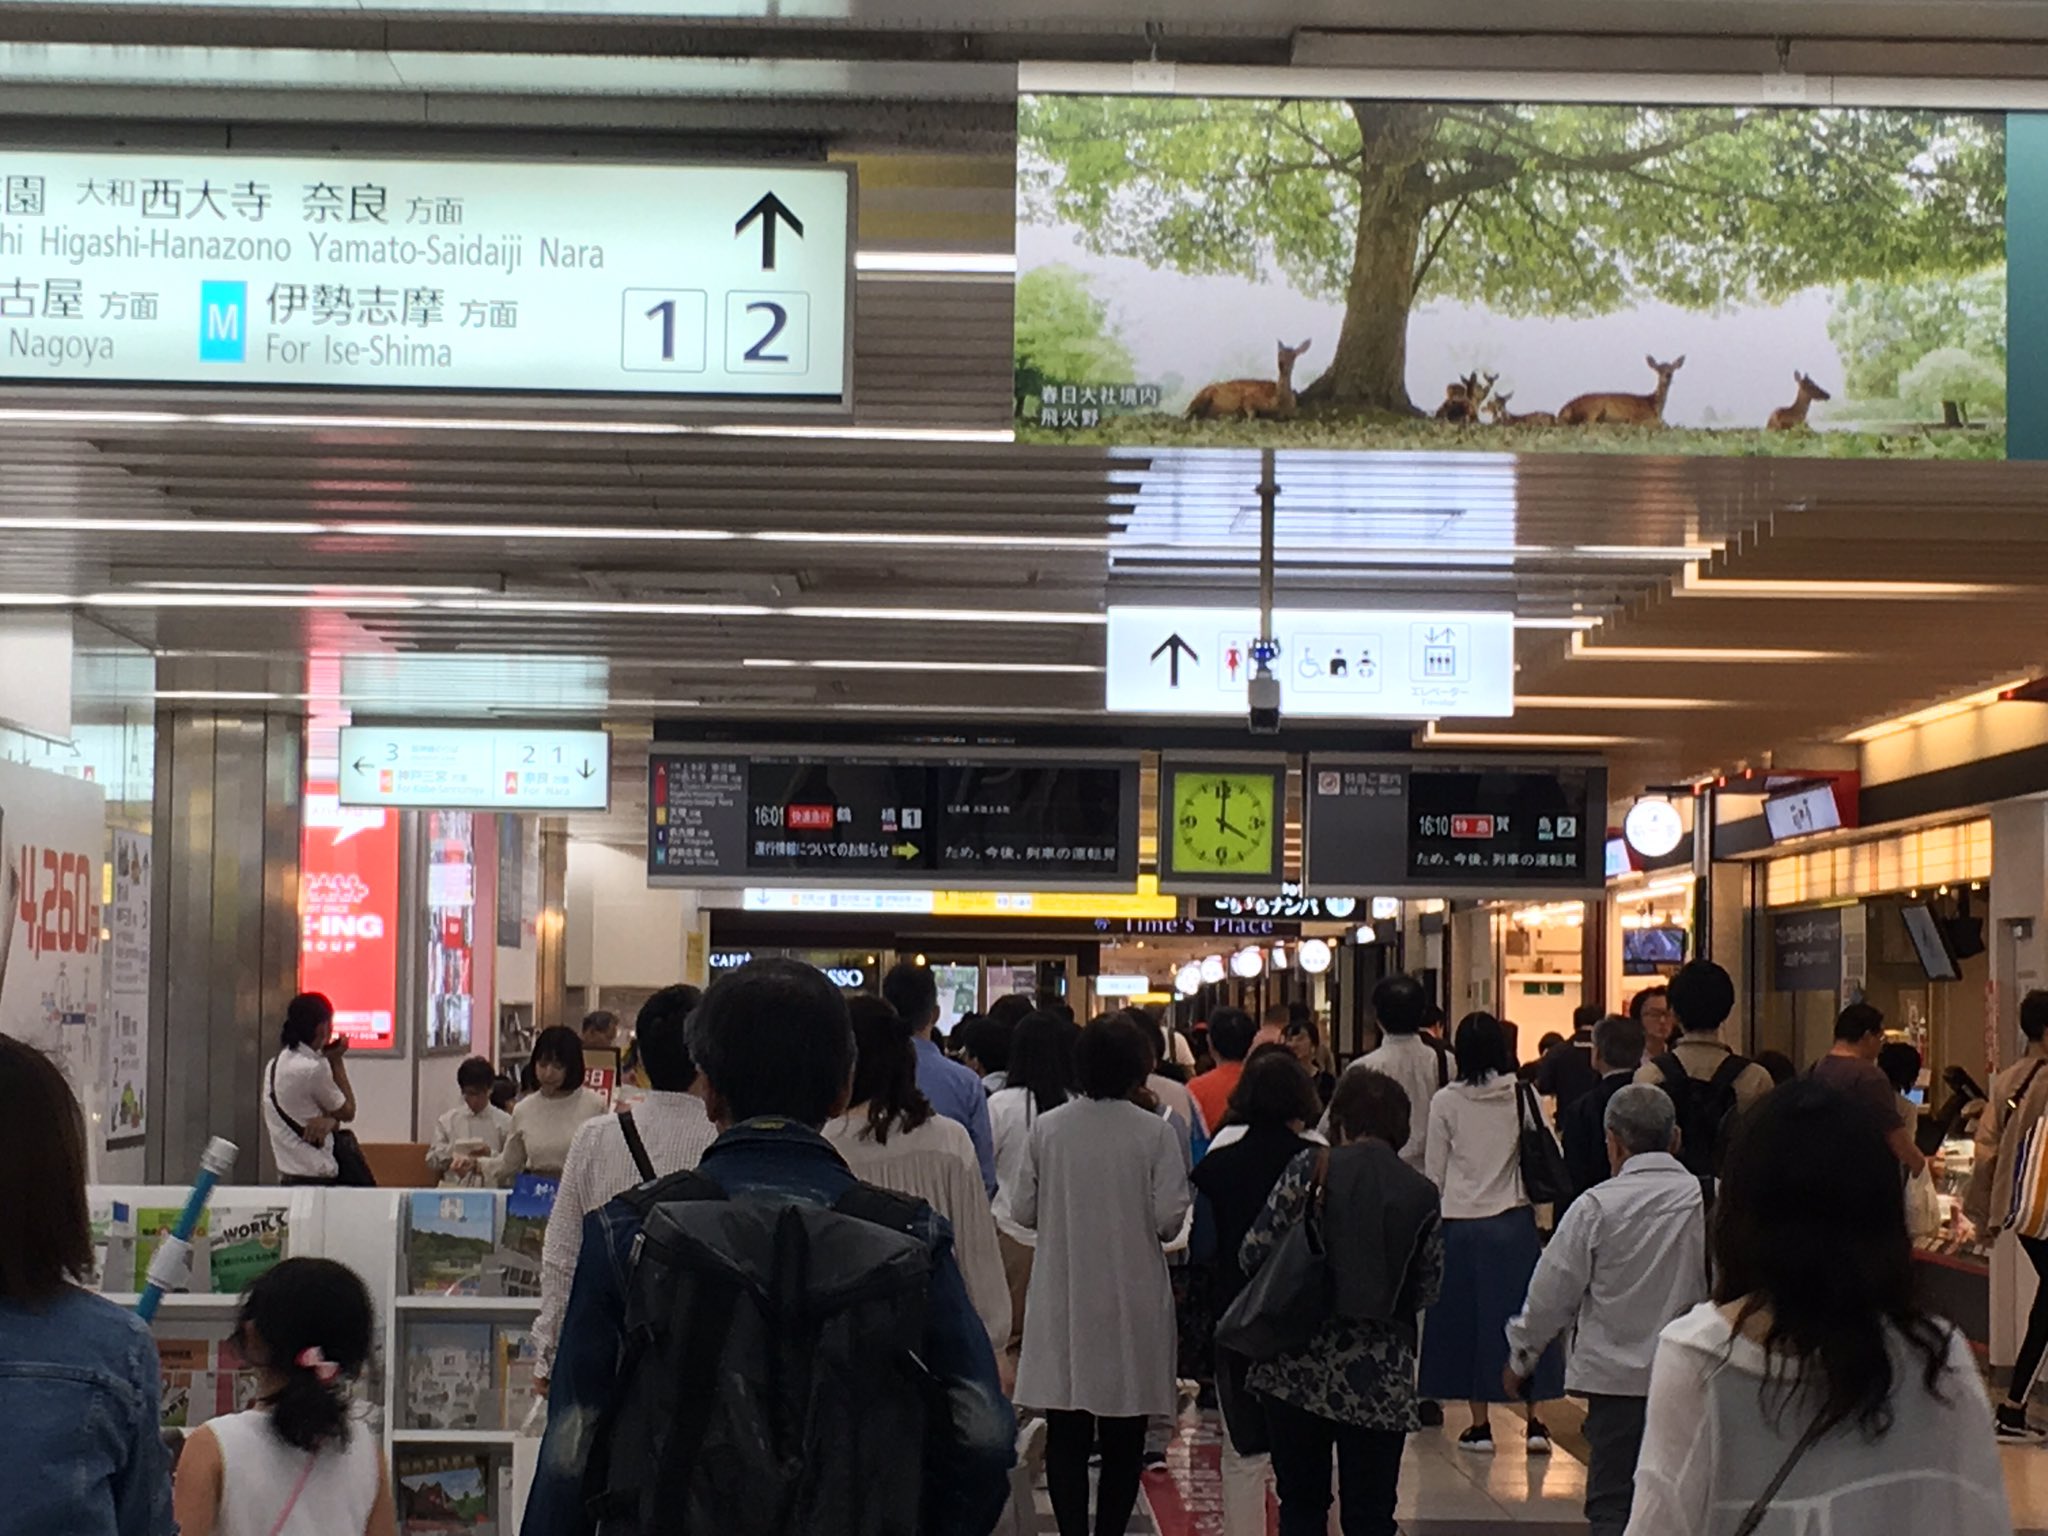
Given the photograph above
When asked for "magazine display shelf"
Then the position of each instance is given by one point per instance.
(365, 1229)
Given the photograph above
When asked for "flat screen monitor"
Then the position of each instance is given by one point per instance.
(1930, 944)
(1812, 809)
(1651, 951)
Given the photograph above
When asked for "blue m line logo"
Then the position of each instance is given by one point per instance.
(223, 322)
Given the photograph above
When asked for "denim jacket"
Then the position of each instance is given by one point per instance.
(80, 1397)
(967, 1457)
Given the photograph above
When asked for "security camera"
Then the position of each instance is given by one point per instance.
(1264, 695)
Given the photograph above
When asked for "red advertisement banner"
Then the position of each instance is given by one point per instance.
(348, 916)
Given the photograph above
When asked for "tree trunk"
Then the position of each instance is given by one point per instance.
(1369, 369)
(1951, 413)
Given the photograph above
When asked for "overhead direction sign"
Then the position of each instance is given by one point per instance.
(710, 282)
(1365, 664)
(483, 768)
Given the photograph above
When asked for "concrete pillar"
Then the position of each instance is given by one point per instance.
(2018, 935)
(225, 936)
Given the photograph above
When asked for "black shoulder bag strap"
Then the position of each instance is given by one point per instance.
(270, 1083)
(1797, 1454)
(637, 1147)
(1730, 1070)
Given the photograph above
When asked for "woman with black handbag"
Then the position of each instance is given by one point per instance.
(1273, 1104)
(1481, 1138)
(1350, 1389)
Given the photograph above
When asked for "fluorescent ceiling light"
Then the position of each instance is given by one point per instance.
(1928, 716)
(937, 263)
(588, 426)
(153, 525)
(1685, 552)
(411, 530)
(1692, 584)
(1580, 624)
(595, 533)
(325, 588)
(1434, 737)
(225, 696)
(1018, 668)
(1612, 701)
(131, 599)
(936, 540)
(948, 615)
(1582, 651)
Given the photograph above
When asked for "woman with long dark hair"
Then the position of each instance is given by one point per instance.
(301, 1462)
(1041, 1078)
(1490, 1241)
(1815, 1381)
(891, 1137)
(80, 1391)
(1274, 1105)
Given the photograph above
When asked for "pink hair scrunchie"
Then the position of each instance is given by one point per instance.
(323, 1369)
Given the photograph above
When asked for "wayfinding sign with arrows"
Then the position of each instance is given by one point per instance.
(988, 821)
(681, 283)
(1334, 663)
(484, 768)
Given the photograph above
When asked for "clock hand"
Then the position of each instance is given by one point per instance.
(1222, 803)
(1223, 825)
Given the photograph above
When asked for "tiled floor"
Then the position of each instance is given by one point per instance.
(1449, 1492)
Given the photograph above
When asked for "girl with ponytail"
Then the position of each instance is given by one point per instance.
(298, 1463)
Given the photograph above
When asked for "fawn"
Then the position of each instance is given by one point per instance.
(1623, 410)
(1787, 418)
(1458, 408)
(1251, 398)
(1503, 417)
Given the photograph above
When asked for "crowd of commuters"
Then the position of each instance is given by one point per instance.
(938, 1250)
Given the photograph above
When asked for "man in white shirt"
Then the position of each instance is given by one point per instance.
(1420, 1065)
(673, 1129)
(474, 1128)
(1629, 1258)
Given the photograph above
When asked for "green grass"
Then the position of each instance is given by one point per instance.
(1417, 434)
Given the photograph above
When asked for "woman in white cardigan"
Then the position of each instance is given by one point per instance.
(1104, 1184)
(892, 1138)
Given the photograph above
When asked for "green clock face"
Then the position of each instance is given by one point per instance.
(1223, 823)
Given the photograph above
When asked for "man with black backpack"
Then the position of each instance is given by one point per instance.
(764, 1346)
(1707, 1080)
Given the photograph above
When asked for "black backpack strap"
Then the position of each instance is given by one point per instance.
(636, 1146)
(1670, 1069)
(884, 1208)
(1726, 1074)
(688, 1184)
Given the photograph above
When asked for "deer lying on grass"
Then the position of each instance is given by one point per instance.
(1619, 410)
(1248, 399)
(1503, 417)
(1787, 418)
(1463, 398)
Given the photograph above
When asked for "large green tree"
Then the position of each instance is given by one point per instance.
(1551, 210)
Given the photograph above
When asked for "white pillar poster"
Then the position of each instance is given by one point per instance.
(127, 1032)
(53, 833)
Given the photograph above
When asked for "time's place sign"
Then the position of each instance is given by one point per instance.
(560, 277)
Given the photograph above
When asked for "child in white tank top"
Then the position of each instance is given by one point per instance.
(299, 1463)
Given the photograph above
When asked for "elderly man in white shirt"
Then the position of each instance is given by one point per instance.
(674, 1131)
(1629, 1258)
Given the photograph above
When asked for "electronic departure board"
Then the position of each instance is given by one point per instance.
(1378, 823)
(733, 816)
